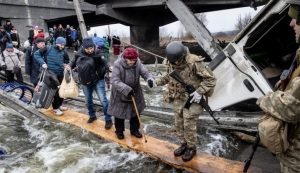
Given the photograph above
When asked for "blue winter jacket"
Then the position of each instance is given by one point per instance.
(54, 58)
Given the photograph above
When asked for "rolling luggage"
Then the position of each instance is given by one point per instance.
(45, 89)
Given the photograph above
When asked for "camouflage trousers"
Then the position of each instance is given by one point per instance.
(285, 169)
(186, 122)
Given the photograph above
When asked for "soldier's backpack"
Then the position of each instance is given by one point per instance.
(273, 134)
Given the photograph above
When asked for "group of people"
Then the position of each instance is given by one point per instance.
(10, 56)
(125, 80)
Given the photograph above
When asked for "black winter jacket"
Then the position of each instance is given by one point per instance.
(90, 68)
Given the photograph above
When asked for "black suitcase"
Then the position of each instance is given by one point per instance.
(45, 90)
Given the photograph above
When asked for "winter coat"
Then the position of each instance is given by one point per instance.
(10, 59)
(15, 39)
(55, 59)
(32, 67)
(193, 72)
(91, 68)
(4, 38)
(285, 105)
(124, 79)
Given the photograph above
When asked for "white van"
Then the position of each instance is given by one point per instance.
(252, 63)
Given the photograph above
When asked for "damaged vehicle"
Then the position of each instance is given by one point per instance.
(253, 62)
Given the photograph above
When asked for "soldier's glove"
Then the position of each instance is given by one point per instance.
(3, 67)
(150, 83)
(196, 97)
(131, 93)
(45, 66)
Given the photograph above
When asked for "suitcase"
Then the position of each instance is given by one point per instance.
(44, 93)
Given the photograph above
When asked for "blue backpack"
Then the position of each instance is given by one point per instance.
(101, 43)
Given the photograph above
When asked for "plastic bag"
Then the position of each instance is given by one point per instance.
(68, 87)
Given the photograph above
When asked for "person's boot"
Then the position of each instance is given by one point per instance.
(91, 119)
(136, 133)
(180, 151)
(120, 135)
(108, 124)
(189, 154)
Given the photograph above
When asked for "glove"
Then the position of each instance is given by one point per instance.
(45, 66)
(3, 67)
(131, 93)
(150, 83)
(196, 97)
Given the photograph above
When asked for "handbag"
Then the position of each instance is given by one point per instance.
(68, 87)
(16, 69)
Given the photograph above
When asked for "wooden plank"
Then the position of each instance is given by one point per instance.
(155, 148)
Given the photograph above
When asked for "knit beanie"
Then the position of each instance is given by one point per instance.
(9, 45)
(130, 53)
(60, 40)
(39, 40)
(88, 42)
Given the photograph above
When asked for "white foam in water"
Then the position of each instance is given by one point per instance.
(21, 170)
(79, 157)
(216, 147)
(36, 134)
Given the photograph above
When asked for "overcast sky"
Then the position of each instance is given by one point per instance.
(223, 20)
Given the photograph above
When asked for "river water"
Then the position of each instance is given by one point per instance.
(33, 144)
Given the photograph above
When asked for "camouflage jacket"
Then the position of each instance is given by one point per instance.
(285, 105)
(193, 72)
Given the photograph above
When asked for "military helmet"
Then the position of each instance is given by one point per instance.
(175, 51)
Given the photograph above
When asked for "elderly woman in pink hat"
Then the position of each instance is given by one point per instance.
(126, 83)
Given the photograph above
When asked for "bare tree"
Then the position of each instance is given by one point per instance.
(242, 21)
(182, 33)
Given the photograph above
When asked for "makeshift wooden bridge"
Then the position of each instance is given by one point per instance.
(155, 148)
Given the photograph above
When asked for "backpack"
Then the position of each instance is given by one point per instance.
(86, 70)
(273, 134)
(101, 43)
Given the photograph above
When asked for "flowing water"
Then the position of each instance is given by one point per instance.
(34, 145)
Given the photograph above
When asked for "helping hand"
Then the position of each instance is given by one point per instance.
(150, 83)
(131, 94)
(3, 67)
(67, 66)
(196, 97)
(45, 66)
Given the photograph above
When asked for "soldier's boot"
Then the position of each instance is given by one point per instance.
(180, 151)
(189, 154)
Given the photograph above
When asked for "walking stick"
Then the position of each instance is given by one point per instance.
(138, 115)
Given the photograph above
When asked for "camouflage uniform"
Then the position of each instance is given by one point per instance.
(285, 105)
(193, 72)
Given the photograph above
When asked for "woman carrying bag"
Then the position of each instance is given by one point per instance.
(10, 61)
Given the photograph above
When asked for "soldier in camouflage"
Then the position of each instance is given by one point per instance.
(284, 104)
(193, 71)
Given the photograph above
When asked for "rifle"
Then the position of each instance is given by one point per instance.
(254, 148)
(286, 75)
(190, 89)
